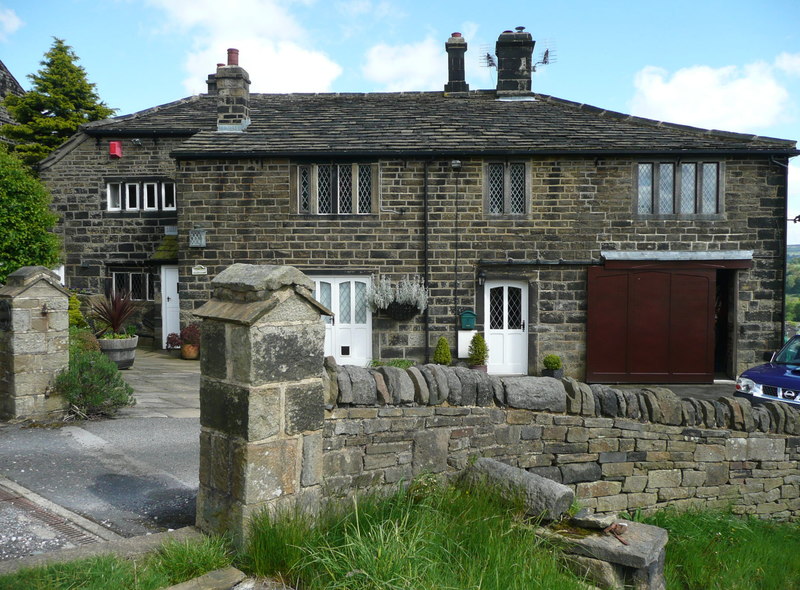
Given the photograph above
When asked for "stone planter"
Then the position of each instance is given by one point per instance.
(555, 373)
(120, 350)
(190, 352)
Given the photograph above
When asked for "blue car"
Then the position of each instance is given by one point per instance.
(777, 380)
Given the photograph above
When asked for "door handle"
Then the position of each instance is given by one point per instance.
(523, 325)
(169, 298)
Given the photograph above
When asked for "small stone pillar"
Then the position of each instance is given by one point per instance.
(34, 342)
(261, 396)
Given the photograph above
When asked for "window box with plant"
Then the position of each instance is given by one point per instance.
(188, 341)
(400, 301)
(552, 366)
(117, 339)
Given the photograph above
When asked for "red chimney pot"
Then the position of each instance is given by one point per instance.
(456, 35)
(233, 57)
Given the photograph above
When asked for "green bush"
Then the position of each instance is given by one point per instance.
(76, 318)
(478, 351)
(442, 356)
(81, 339)
(92, 385)
(552, 362)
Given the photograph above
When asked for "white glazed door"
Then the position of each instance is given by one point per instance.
(506, 327)
(348, 335)
(170, 303)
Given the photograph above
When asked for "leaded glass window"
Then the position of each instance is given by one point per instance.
(360, 303)
(344, 303)
(334, 189)
(688, 188)
(496, 310)
(506, 188)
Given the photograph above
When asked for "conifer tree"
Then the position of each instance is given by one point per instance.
(26, 238)
(60, 101)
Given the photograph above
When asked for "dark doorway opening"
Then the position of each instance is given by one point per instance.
(724, 320)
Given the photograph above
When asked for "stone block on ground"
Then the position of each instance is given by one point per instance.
(542, 497)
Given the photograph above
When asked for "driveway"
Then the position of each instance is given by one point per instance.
(133, 475)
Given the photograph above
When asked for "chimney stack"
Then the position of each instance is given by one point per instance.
(514, 52)
(233, 92)
(456, 47)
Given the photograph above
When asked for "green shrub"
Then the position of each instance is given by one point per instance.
(552, 362)
(76, 318)
(92, 385)
(478, 351)
(81, 339)
(442, 356)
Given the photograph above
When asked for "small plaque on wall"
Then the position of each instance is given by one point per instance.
(199, 270)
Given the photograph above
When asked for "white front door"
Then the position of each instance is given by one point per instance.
(170, 303)
(348, 335)
(506, 327)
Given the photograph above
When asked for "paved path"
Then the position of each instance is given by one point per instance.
(78, 483)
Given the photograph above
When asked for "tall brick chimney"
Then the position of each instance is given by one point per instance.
(456, 47)
(514, 52)
(233, 92)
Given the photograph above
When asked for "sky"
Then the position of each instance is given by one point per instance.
(732, 65)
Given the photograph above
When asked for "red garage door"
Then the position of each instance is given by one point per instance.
(651, 326)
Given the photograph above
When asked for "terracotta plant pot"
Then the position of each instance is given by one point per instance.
(120, 350)
(481, 368)
(190, 352)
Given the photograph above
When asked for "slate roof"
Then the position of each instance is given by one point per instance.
(425, 123)
(8, 85)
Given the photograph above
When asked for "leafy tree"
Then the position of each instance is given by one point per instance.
(61, 100)
(25, 219)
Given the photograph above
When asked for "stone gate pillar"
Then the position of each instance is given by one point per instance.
(34, 342)
(261, 395)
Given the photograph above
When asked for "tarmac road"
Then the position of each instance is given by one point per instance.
(132, 475)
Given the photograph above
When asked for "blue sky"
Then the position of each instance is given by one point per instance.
(732, 65)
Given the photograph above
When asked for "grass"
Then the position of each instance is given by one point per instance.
(718, 550)
(173, 563)
(434, 537)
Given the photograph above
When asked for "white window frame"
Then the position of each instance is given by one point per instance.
(146, 197)
(310, 191)
(136, 189)
(119, 191)
(111, 188)
(649, 200)
(507, 209)
(174, 205)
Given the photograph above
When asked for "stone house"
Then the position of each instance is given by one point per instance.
(637, 250)
(8, 85)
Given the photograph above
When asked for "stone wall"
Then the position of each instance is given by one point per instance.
(34, 343)
(578, 207)
(618, 449)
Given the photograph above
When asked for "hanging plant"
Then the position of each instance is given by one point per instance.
(400, 301)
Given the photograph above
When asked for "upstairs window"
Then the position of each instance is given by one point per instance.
(335, 189)
(684, 189)
(150, 195)
(506, 188)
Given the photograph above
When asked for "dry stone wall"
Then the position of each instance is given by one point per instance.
(618, 449)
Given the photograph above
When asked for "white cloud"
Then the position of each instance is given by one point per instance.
(732, 98)
(9, 23)
(273, 45)
(788, 63)
(411, 66)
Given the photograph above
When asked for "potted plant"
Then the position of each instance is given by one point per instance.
(117, 339)
(478, 353)
(400, 301)
(552, 366)
(442, 356)
(188, 341)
